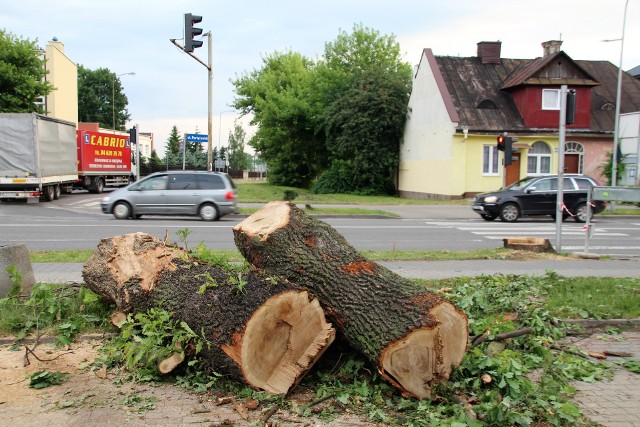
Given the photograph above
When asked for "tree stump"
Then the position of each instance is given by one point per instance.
(262, 330)
(531, 244)
(414, 337)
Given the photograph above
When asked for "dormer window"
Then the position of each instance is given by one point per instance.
(550, 99)
(487, 104)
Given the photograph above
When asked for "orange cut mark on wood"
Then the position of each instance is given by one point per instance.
(359, 267)
(310, 241)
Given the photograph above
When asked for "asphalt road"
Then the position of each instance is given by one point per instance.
(76, 222)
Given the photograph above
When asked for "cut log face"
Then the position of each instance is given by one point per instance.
(411, 335)
(266, 333)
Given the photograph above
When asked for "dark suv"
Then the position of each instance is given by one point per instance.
(537, 196)
(209, 195)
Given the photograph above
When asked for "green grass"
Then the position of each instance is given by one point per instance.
(595, 297)
(264, 193)
(234, 255)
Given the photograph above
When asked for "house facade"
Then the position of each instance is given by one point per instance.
(459, 106)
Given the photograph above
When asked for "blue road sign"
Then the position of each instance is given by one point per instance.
(196, 137)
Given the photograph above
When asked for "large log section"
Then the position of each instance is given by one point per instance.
(262, 330)
(412, 336)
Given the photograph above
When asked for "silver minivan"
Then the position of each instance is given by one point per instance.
(210, 195)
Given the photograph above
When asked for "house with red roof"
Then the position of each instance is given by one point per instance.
(460, 105)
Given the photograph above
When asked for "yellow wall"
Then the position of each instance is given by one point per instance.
(62, 102)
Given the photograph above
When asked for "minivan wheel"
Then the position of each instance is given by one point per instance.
(581, 213)
(208, 212)
(509, 212)
(122, 210)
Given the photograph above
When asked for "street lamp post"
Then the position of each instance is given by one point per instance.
(616, 126)
(113, 95)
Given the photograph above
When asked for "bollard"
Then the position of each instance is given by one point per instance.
(15, 254)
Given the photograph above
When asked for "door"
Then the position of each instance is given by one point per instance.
(513, 170)
(571, 163)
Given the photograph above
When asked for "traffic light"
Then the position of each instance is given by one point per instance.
(132, 135)
(502, 139)
(190, 31)
(570, 113)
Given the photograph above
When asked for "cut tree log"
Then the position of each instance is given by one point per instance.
(262, 330)
(413, 337)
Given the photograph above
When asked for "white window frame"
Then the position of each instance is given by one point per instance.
(538, 156)
(550, 102)
(491, 159)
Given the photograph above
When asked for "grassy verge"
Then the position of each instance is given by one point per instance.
(233, 255)
(263, 193)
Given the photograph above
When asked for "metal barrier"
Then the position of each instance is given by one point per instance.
(607, 194)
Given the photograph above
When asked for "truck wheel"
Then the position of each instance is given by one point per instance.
(56, 192)
(208, 212)
(509, 212)
(98, 186)
(122, 210)
(48, 193)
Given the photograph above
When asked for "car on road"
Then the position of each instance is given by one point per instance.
(537, 196)
(209, 195)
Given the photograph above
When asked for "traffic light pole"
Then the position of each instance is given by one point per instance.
(561, 138)
(209, 68)
(210, 104)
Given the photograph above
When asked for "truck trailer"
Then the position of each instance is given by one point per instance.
(104, 160)
(37, 157)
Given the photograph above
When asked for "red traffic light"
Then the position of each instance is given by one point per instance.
(501, 142)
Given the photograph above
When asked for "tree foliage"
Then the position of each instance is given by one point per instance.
(238, 159)
(22, 75)
(367, 89)
(101, 98)
(282, 102)
(174, 141)
(337, 122)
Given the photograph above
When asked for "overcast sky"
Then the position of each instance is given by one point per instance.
(170, 88)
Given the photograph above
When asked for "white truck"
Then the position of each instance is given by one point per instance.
(38, 157)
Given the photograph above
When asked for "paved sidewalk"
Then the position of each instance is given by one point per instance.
(72, 272)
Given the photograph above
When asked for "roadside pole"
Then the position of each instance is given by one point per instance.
(561, 137)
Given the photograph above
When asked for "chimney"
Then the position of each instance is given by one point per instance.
(551, 47)
(489, 52)
(57, 44)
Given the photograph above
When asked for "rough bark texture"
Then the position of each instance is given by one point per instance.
(262, 330)
(412, 336)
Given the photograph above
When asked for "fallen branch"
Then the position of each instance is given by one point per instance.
(479, 339)
(315, 402)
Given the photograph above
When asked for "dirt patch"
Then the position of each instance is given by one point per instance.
(98, 398)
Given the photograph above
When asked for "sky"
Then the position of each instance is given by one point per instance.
(170, 88)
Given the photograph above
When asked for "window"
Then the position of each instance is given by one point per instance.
(210, 182)
(539, 159)
(550, 99)
(489, 160)
(182, 182)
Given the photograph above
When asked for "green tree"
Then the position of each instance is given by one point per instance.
(22, 75)
(101, 98)
(238, 159)
(280, 96)
(174, 141)
(365, 96)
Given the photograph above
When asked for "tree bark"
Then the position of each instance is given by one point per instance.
(262, 330)
(414, 337)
